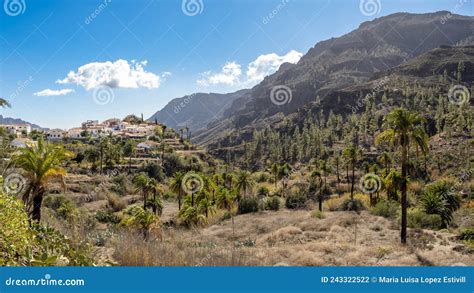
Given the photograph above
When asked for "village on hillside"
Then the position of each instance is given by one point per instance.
(149, 136)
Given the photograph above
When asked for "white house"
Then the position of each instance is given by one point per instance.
(24, 128)
(147, 145)
(16, 129)
(112, 123)
(55, 134)
(90, 123)
(74, 133)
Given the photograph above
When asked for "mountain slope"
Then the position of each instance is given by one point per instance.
(8, 120)
(196, 110)
(421, 84)
(351, 59)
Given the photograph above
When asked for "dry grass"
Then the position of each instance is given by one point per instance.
(131, 250)
(115, 203)
(294, 238)
(283, 237)
(333, 203)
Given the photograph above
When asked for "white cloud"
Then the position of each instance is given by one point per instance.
(49, 92)
(268, 64)
(164, 76)
(118, 74)
(229, 75)
(257, 70)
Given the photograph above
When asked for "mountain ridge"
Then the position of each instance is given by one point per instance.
(9, 120)
(195, 111)
(354, 58)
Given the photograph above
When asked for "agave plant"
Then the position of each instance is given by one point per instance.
(440, 198)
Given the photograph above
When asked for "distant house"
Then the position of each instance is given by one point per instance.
(26, 128)
(16, 129)
(22, 142)
(55, 134)
(147, 146)
(75, 133)
(123, 125)
(113, 123)
(89, 123)
(99, 131)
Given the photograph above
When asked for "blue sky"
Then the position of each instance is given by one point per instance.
(168, 51)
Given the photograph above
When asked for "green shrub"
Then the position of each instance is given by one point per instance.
(263, 177)
(15, 234)
(115, 203)
(354, 205)
(35, 245)
(168, 194)
(386, 209)
(62, 205)
(467, 234)
(263, 191)
(191, 216)
(153, 170)
(173, 163)
(419, 219)
(296, 200)
(66, 210)
(52, 248)
(248, 205)
(122, 184)
(272, 203)
(318, 214)
(55, 201)
(226, 215)
(107, 216)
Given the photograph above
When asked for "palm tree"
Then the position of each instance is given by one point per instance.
(129, 149)
(187, 132)
(92, 156)
(104, 146)
(156, 202)
(275, 171)
(228, 179)
(351, 153)
(244, 182)
(144, 219)
(41, 164)
(284, 173)
(401, 130)
(385, 160)
(337, 158)
(319, 184)
(206, 204)
(176, 186)
(392, 182)
(226, 200)
(143, 184)
(210, 186)
(4, 103)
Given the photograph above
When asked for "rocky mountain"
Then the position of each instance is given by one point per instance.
(195, 111)
(419, 83)
(332, 65)
(8, 120)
